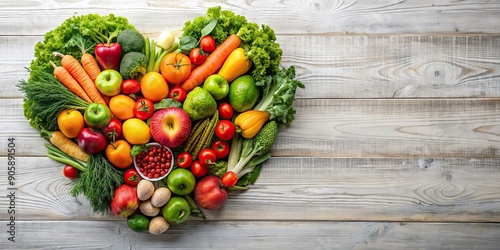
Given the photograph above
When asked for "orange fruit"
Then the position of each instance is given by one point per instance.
(154, 87)
(122, 106)
(136, 131)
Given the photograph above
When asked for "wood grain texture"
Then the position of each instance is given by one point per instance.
(305, 16)
(409, 66)
(304, 189)
(392, 128)
(258, 234)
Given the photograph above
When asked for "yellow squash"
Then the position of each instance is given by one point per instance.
(250, 122)
(235, 65)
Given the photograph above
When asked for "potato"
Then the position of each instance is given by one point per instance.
(158, 225)
(148, 209)
(145, 189)
(160, 197)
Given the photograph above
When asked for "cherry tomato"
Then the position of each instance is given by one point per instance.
(178, 94)
(225, 130)
(184, 160)
(229, 179)
(198, 169)
(226, 111)
(130, 86)
(207, 156)
(175, 67)
(131, 177)
(221, 148)
(207, 44)
(197, 56)
(70, 172)
(143, 109)
(113, 131)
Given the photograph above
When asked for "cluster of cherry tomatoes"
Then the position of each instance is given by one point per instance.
(219, 149)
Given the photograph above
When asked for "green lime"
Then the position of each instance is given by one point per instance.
(243, 93)
(138, 222)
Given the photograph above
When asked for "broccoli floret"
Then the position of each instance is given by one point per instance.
(131, 41)
(253, 151)
(265, 138)
(133, 64)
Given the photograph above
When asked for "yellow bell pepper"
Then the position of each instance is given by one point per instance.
(250, 122)
(235, 65)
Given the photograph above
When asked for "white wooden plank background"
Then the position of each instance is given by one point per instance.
(395, 142)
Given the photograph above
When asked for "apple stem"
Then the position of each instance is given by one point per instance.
(182, 214)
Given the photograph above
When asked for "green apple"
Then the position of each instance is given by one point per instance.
(109, 82)
(177, 210)
(217, 86)
(181, 181)
(97, 115)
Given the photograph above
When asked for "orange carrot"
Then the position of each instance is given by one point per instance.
(213, 63)
(76, 70)
(67, 80)
(90, 65)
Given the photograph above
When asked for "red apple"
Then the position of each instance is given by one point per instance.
(125, 201)
(210, 193)
(91, 141)
(170, 127)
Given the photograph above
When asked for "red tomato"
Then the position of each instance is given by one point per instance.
(130, 86)
(143, 109)
(221, 148)
(184, 160)
(175, 67)
(178, 93)
(70, 172)
(197, 56)
(113, 131)
(226, 111)
(225, 130)
(229, 179)
(207, 156)
(198, 169)
(131, 177)
(207, 44)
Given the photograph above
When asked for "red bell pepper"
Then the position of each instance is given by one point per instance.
(107, 52)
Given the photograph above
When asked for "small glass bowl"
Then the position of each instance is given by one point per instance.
(169, 169)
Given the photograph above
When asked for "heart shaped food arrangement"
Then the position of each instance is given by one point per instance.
(157, 130)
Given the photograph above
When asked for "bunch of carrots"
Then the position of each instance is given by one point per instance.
(79, 77)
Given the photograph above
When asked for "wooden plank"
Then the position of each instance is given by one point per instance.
(257, 234)
(427, 66)
(304, 189)
(350, 128)
(392, 128)
(353, 66)
(307, 17)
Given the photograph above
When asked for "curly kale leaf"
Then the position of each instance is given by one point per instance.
(227, 23)
(57, 39)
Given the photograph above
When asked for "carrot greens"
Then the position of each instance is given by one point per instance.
(45, 98)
